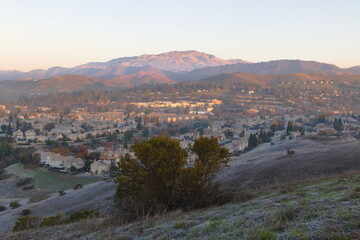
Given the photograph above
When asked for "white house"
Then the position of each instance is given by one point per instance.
(100, 167)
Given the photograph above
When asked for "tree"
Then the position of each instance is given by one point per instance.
(5, 149)
(49, 126)
(4, 128)
(9, 132)
(338, 124)
(252, 142)
(72, 169)
(290, 127)
(274, 126)
(158, 178)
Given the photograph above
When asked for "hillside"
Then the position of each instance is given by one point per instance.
(263, 68)
(355, 70)
(268, 80)
(254, 174)
(322, 209)
(271, 164)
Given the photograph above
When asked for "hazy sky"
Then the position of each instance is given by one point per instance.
(46, 33)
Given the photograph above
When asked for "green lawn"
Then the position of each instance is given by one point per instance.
(48, 180)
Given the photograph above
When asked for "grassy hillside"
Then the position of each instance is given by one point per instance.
(324, 209)
(270, 164)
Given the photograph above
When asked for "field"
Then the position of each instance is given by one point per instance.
(46, 180)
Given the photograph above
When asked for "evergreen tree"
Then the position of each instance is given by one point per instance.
(9, 131)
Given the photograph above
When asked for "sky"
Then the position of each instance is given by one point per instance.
(42, 33)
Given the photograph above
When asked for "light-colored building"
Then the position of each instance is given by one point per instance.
(100, 167)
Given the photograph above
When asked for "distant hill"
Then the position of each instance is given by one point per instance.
(263, 68)
(67, 83)
(230, 79)
(355, 70)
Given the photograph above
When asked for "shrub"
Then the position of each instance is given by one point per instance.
(355, 193)
(14, 205)
(263, 235)
(159, 179)
(2, 208)
(80, 215)
(62, 193)
(27, 222)
(290, 152)
(25, 212)
(52, 221)
(25, 181)
(287, 213)
(78, 186)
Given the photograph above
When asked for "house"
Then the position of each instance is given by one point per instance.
(42, 138)
(30, 135)
(57, 161)
(100, 167)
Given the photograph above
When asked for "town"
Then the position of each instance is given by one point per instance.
(91, 143)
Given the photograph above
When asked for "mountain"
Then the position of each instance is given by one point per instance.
(355, 70)
(262, 68)
(148, 75)
(174, 62)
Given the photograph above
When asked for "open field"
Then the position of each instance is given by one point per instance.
(46, 180)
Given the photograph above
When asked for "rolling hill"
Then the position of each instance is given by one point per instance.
(263, 68)
(231, 79)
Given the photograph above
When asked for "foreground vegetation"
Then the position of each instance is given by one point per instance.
(326, 209)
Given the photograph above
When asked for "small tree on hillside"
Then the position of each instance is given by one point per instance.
(158, 178)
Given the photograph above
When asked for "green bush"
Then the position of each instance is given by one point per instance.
(62, 193)
(14, 205)
(2, 208)
(80, 215)
(78, 186)
(27, 222)
(263, 235)
(52, 221)
(160, 179)
(25, 212)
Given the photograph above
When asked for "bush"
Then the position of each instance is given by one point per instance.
(14, 205)
(25, 212)
(78, 186)
(24, 181)
(80, 215)
(159, 178)
(62, 193)
(290, 152)
(52, 221)
(27, 222)
(2, 208)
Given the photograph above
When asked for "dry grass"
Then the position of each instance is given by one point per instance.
(38, 198)
(311, 210)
